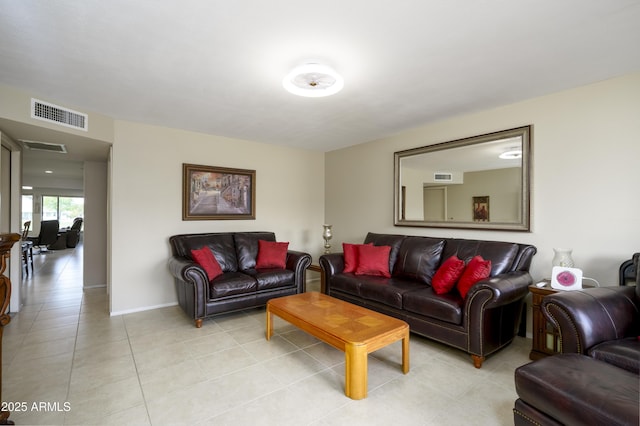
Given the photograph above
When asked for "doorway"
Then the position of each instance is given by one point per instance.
(435, 203)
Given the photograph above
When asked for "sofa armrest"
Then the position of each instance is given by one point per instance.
(192, 286)
(500, 290)
(189, 272)
(591, 316)
(298, 262)
(331, 264)
(492, 312)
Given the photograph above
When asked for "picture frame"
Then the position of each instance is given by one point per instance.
(218, 193)
(481, 209)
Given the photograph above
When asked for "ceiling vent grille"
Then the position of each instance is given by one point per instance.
(51, 113)
(442, 177)
(45, 146)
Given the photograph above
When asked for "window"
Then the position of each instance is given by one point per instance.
(27, 208)
(65, 209)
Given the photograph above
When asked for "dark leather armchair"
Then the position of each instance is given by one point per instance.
(68, 237)
(603, 323)
(595, 378)
(48, 234)
(73, 234)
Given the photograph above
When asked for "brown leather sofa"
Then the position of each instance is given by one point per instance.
(480, 324)
(241, 286)
(596, 378)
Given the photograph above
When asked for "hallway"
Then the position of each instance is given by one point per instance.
(56, 280)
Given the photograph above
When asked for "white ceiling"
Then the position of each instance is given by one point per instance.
(216, 66)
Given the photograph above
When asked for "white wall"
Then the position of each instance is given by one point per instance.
(10, 219)
(94, 257)
(147, 202)
(586, 148)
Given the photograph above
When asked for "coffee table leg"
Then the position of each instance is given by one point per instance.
(355, 371)
(405, 354)
(269, 323)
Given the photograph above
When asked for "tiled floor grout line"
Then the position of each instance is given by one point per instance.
(135, 364)
(75, 343)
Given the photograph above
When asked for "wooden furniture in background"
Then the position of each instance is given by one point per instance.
(354, 330)
(546, 340)
(27, 247)
(317, 268)
(6, 242)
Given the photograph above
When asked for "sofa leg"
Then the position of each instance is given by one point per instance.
(477, 360)
(199, 323)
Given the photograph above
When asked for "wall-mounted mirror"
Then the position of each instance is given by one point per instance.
(480, 182)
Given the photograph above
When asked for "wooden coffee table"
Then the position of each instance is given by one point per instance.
(354, 330)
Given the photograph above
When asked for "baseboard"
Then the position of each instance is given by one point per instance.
(146, 308)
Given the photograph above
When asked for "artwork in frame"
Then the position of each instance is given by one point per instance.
(481, 209)
(217, 193)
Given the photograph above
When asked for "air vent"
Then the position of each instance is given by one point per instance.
(44, 146)
(442, 177)
(56, 114)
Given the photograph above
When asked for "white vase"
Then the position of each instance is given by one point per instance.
(562, 257)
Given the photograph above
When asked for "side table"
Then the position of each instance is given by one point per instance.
(546, 340)
(317, 268)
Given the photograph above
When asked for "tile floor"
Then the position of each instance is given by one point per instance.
(67, 362)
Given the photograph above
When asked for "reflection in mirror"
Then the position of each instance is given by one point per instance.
(480, 182)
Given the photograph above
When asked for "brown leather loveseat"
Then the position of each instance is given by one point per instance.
(481, 323)
(241, 285)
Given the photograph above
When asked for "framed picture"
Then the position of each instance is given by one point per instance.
(217, 193)
(481, 209)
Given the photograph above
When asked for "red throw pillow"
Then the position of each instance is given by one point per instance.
(205, 258)
(447, 275)
(350, 253)
(272, 254)
(373, 260)
(477, 269)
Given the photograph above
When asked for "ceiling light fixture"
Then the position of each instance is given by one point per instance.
(313, 81)
(512, 154)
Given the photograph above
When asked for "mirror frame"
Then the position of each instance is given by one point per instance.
(523, 225)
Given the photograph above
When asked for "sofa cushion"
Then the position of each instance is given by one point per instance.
(346, 283)
(623, 353)
(272, 278)
(390, 240)
(222, 245)
(230, 284)
(373, 260)
(447, 275)
(444, 307)
(477, 269)
(388, 291)
(350, 253)
(247, 247)
(418, 258)
(501, 254)
(205, 258)
(272, 254)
